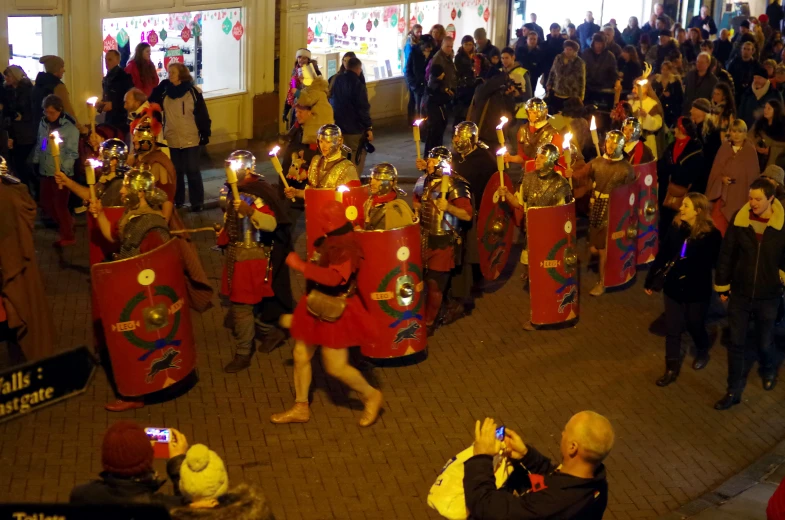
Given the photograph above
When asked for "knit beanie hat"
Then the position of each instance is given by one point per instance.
(203, 475)
(702, 104)
(52, 63)
(126, 450)
(774, 172)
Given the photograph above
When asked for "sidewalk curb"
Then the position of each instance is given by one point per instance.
(734, 486)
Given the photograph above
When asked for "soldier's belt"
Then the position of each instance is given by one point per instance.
(255, 252)
(598, 195)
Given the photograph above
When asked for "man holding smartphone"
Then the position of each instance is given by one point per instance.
(576, 488)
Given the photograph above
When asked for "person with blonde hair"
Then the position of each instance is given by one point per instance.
(682, 271)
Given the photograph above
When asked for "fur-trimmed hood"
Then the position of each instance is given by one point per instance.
(742, 218)
(241, 503)
(315, 96)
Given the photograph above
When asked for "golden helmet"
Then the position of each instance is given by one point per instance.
(330, 134)
(443, 158)
(550, 153)
(614, 144)
(387, 175)
(536, 109)
(631, 126)
(465, 137)
(141, 180)
(244, 163)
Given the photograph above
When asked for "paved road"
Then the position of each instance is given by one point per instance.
(671, 445)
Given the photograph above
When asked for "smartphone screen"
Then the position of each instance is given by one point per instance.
(500, 433)
(161, 435)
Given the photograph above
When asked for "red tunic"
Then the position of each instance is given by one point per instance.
(248, 284)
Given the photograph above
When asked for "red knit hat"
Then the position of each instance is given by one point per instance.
(126, 450)
(333, 216)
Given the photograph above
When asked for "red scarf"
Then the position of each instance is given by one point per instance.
(381, 199)
(679, 146)
(637, 153)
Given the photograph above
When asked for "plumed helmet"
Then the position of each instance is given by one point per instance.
(631, 124)
(464, 138)
(536, 109)
(614, 144)
(387, 175)
(243, 162)
(146, 127)
(113, 149)
(332, 216)
(550, 153)
(330, 134)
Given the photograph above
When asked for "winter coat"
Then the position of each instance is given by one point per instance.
(111, 489)
(567, 79)
(632, 36)
(659, 53)
(487, 50)
(350, 104)
(741, 71)
(689, 280)
(721, 50)
(673, 102)
(464, 68)
(767, 137)
(186, 120)
(116, 84)
(435, 97)
(775, 13)
(690, 51)
(696, 87)
(742, 167)
(697, 22)
(530, 59)
(450, 73)
(750, 107)
(630, 71)
(683, 172)
(23, 129)
(551, 48)
(488, 106)
(543, 491)
(69, 148)
(747, 267)
(241, 503)
(585, 32)
(407, 51)
(600, 70)
(46, 84)
(145, 86)
(415, 70)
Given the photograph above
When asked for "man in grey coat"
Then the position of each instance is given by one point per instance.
(698, 83)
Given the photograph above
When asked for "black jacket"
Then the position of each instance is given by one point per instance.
(684, 172)
(116, 84)
(747, 267)
(585, 31)
(696, 87)
(464, 67)
(630, 71)
(490, 103)
(45, 84)
(775, 13)
(546, 493)
(551, 48)
(477, 168)
(415, 70)
(24, 130)
(111, 489)
(722, 50)
(689, 280)
(697, 22)
(349, 99)
(531, 60)
(741, 71)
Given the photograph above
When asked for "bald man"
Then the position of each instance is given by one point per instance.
(576, 488)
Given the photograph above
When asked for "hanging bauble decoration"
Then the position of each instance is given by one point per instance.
(344, 29)
(309, 37)
(237, 30)
(376, 23)
(419, 17)
(144, 24)
(394, 20)
(152, 38)
(141, 39)
(163, 35)
(480, 9)
(459, 13)
(400, 28)
(412, 21)
(110, 43)
(453, 14)
(450, 31)
(351, 27)
(122, 38)
(197, 30)
(226, 26)
(318, 30)
(368, 25)
(185, 34)
(486, 15)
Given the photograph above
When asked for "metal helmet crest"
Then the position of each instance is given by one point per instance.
(141, 180)
(550, 154)
(442, 156)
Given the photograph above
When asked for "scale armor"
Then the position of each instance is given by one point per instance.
(545, 189)
(135, 231)
(429, 215)
(532, 141)
(338, 172)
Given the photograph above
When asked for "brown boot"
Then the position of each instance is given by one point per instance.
(299, 413)
(372, 407)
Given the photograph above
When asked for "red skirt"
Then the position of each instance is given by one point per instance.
(248, 285)
(354, 328)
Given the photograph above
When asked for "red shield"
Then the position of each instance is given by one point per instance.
(648, 214)
(315, 198)
(495, 226)
(622, 240)
(390, 283)
(553, 264)
(147, 323)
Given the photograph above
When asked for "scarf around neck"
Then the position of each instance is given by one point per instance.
(177, 91)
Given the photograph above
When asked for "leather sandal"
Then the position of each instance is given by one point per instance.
(299, 413)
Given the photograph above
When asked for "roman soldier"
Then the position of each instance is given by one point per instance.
(330, 169)
(113, 154)
(383, 209)
(443, 221)
(534, 134)
(331, 315)
(255, 279)
(606, 173)
(145, 129)
(635, 150)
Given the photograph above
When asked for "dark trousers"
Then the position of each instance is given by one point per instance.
(54, 202)
(413, 108)
(741, 310)
(22, 168)
(186, 163)
(436, 125)
(691, 315)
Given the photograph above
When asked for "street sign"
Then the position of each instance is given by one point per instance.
(26, 388)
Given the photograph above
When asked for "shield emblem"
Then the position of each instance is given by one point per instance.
(621, 242)
(352, 198)
(143, 305)
(648, 212)
(495, 225)
(391, 285)
(553, 264)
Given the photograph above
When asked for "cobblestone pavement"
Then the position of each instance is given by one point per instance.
(671, 445)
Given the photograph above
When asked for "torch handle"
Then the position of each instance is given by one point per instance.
(417, 147)
(57, 168)
(93, 197)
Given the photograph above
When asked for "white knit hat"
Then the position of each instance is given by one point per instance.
(303, 52)
(203, 475)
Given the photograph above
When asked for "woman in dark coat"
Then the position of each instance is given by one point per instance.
(667, 86)
(416, 66)
(677, 170)
(693, 244)
(22, 127)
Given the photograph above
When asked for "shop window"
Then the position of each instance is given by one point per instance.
(458, 19)
(31, 37)
(376, 35)
(209, 43)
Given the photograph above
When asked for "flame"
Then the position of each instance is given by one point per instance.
(236, 164)
(56, 136)
(342, 189)
(418, 122)
(503, 122)
(446, 170)
(567, 137)
(642, 82)
(502, 150)
(95, 163)
(92, 101)
(275, 150)
(593, 126)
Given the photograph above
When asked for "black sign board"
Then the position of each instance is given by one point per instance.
(73, 512)
(26, 388)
